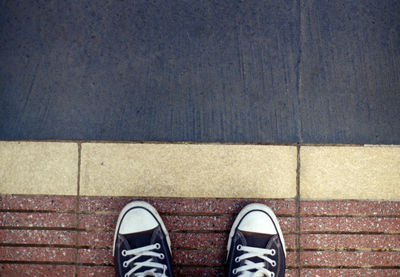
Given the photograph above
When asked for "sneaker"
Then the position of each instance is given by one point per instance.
(256, 246)
(141, 243)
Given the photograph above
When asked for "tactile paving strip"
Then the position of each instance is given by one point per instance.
(72, 236)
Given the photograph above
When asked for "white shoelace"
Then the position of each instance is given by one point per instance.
(251, 252)
(144, 251)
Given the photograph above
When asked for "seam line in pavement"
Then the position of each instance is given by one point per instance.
(329, 172)
(298, 210)
(77, 209)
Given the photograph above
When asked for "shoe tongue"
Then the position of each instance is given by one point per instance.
(256, 239)
(141, 239)
(144, 265)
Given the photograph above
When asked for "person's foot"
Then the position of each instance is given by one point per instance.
(141, 243)
(256, 246)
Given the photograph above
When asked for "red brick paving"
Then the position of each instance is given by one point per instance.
(98, 221)
(349, 259)
(95, 256)
(350, 241)
(357, 272)
(192, 271)
(45, 237)
(38, 203)
(207, 257)
(95, 271)
(199, 240)
(199, 271)
(37, 254)
(349, 208)
(40, 235)
(37, 270)
(38, 220)
(350, 224)
(216, 271)
(98, 238)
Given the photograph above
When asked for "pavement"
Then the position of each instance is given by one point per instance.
(200, 107)
(338, 206)
(288, 71)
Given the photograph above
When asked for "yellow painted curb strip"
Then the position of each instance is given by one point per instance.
(187, 170)
(200, 170)
(350, 172)
(38, 168)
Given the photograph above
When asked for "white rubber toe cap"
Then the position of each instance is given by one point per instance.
(139, 216)
(137, 220)
(257, 222)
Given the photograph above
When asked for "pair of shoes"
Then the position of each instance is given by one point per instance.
(142, 246)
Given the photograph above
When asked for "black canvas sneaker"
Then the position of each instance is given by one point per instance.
(141, 243)
(256, 246)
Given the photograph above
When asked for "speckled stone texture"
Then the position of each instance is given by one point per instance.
(37, 270)
(350, 172)
(38, 203)
(73, 236)
(180, 170)
(188, 170)
(38, 167)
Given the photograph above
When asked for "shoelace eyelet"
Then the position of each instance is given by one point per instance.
(123, 253)
(239, 247)
(125, 264)
(272, 274)
(234, 271)
(158, 246)
(273, 252)
(162, 256)
(237, 259)
(273, 263)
